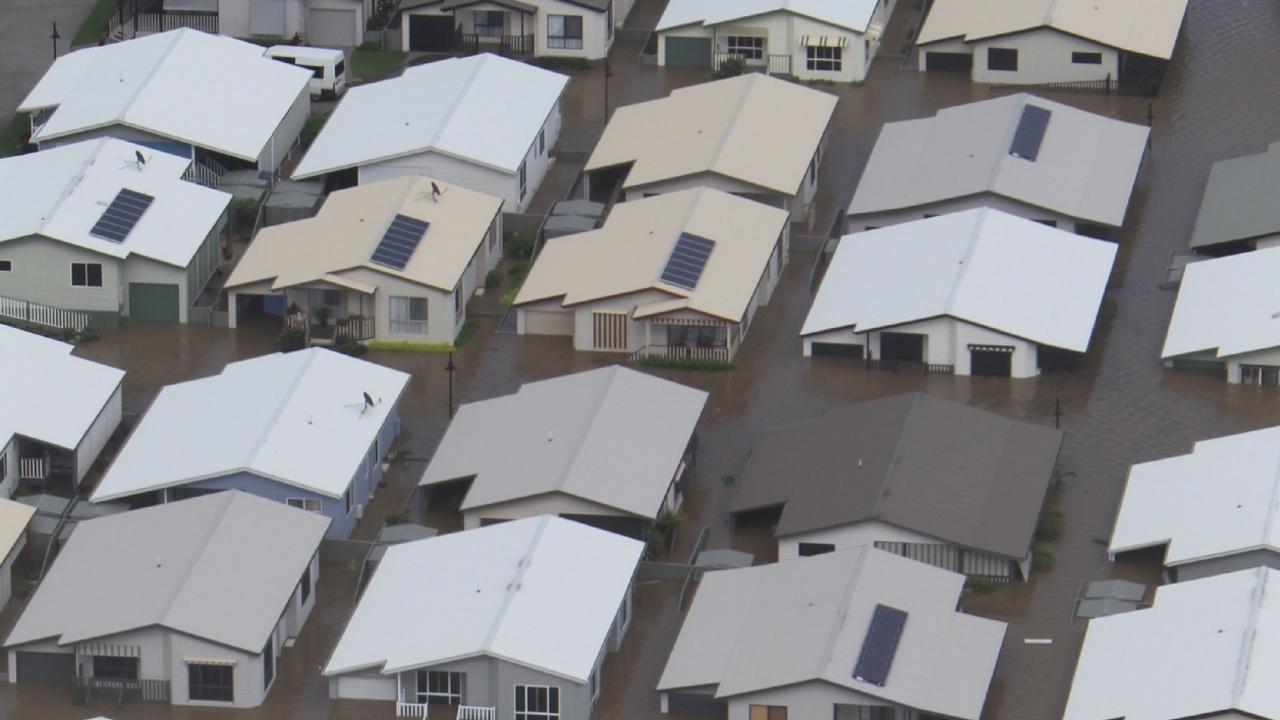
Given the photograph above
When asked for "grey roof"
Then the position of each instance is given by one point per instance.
(723, 559)
(933, 466)
(1102, 607)
(805, 620)
(1241, 200)
(597, 5)
(1116, 590)
(220, 567)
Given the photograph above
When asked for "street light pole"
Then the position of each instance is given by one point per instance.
(450, 368)
(55, 36)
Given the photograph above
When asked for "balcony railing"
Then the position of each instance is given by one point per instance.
(121, 690)
(688, 352)
(411, 710)
(154, 22)
(357, 328)
(770, 64)
(507, 44)
(44, 315)
(35, 469)
(476, 712)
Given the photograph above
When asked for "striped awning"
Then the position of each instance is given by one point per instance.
(209, 660)
(108, 649)
(839, 41)
(992, 348)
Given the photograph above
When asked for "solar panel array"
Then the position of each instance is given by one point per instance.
(399, 242)
(688, 259)
(121, 215)
(1030, 132)
(880, 645)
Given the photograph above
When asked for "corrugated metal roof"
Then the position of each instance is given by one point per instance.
(1230, 305)
(14, 518)
(1241, 200)
(852, 15)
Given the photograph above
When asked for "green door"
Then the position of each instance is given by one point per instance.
(153, 302)
(688, 52)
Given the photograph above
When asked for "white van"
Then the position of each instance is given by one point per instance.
(328, 67)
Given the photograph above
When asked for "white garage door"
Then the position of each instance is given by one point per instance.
(361, 688)
(331, 28)
(543, 322)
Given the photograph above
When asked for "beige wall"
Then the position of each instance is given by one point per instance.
(859, 223)
(1044, 56)
(545, 504)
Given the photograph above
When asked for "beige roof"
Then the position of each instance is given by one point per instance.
(629, 253)
(14, 517)
(348, 228)
(752, 128)
(1148, 27)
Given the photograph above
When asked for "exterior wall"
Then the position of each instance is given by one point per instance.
(845, 537)
(596, 35)
(298, 610)
(1267, 358)
(234, 17)
(448, 169)
(122, 132)
(6, 570)
(1230, 563)
(204, 263)
(104, 425)
(357, 20)
(442, 323)
(546, 317)
(722, 183)
(280, 146)
(805, 701)
(545, 504)
(144, 270)
(246, 676)
(42, 274)
(859, 223)
(1044, 56)
(947, 343)
(9, 468)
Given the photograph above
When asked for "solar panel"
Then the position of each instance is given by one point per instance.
(121, 215)
(879, 646)
(1030, 132)
(399, 242)
(687, 261)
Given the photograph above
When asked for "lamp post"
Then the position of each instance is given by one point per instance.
(55, 37)
(450, 367)
(608, 73)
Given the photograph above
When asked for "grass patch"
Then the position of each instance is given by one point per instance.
(13, 135)
(464, 334)
(679, 363)
(1051, 525)
(409, 346)
(375, 64)
(311, 128)
(979, 586)
(1042, 559)
(561, 62)
(93, 27)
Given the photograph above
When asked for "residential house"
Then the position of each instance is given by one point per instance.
(930, 479)
(975, 292)
(1051, 41)
(1239, 211)
(1022, 154)
(680, 274)
(509, 621)
(755, 136)
(321, 23)
(188, 603)
(58, 411)
(805, 39)
(557, 28)
(395, 261)
(1212, 510)
(309, 429)
(102, 229)
(451, 120)
(850, 635)
(183, 92)
(1225, 317)
(14, 520)
(561, 451)
(1203, 650)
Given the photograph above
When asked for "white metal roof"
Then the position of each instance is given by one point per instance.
(14, 518)
(1085, 169)
(852, 15)
(484, 109)
(1229, 304)
(1205, 647)
(612, 436)
(221, 567)
(1219, 499)
(52, 396)
(983, 266)
(61, 193)
(298, 418)
(541, 592)
(774, 625)
(208, 90)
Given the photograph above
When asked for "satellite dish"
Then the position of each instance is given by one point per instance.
(142, 160)
(436, 192)
(368, 403)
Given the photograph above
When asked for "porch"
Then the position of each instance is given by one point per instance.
(323, 314)
(39, 463)
(503, 26)
(779, 65)
(119, 690)
(133, 18)
(427, 694)
(688, 338)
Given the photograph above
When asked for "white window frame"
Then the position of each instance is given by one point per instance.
(86, 266)
(833, 62)
(522, 177)
(313, 505)
(349, 498)
(747, 47)
(528, 714)
(407, 325)
(565, 41)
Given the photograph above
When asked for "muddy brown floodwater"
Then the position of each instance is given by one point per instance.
(1219, 99)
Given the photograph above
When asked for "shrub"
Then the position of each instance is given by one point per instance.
(979, 586)
(509, 296)
(518, 270)
(311, 128)
(731, 66)
(562, 62)
(290, 339)
(400, 518)
(1051, 525)
(464, 333)
(679, 363)
(660, 534)
(244, 212)
(348, 345)
(409, 346)
(492, 279)
(1042, 559)
(520, 245)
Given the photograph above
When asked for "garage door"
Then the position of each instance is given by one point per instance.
(431, 33)
(153, 302)
(990, 360)
(542, 322)
(903, 347)
(688, 52)
(836, 350)
(37, 667)
(958, 62)
(362, 688)
(331, 28)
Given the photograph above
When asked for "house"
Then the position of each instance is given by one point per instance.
(805, 39)
(309, 429)
(14, 520)
(680, 274)
(182, 92)
(541, 28)
(1022, 154)
(321, 23)
(1203, 650)
(188, 603)
(1224, 318)
(752, 135)
(394, 260)
(975, 292)
(1212, 510)
(103, 229)
(929, 479)
(58, 411)
(561, 451)
(1239, 211)
(507, 621)
(450, 120)
(854, 634)
(1050, 41)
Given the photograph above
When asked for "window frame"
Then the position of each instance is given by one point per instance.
(459, 307)
(133, 663)
(311, 505)
(823, 59)
(1007, 54)
(521, 707)
(86, 274)
(1084, 57)
(448, 696)
(542, 141)
(304, 585)
(408, 324)
(268, 663)
(565, 40)
(6, 266)
(747, 47)
(348, 498)
(522, 177)
(488, 25)
(208, 690)
(810, 549)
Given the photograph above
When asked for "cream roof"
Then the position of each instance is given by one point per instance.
(14, 517)
(1148, 27)
(348, 228)
(752, 128)
(852, 15)
(628, 254)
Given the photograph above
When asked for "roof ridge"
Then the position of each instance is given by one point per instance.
(525, 561)
(480, 61)
(178, 34)
(590, 422)
(750, 80)
(842, 613)
(958, 279)
(897, 449)
(313, 353)
(227, 498)
(1050, 12)
(1250, 631)
(1269, 526)
(71, 186)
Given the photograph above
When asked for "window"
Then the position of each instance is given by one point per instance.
(493, 240)
(1050, 223)
(408, 315)
(537, 702)
(1002, 59)
(1086, 58)
(4, 466)
(745, 47)
(811, 549)
(309, 504)
(6, 266)
(696, 335)
(823, 59)
(813, 169)
(440, 686)
(304, 586)
(115, 668)
(1258, 375)
(86, 274)
(767, 712)
(347, 500)
(777, 256)
(268, 663)
(210, 682)
(317, 71)
(489, 23)
(458, 305)
(542, 141)
(593, 683)
(564, 32)
(340, 69)
(524, 180)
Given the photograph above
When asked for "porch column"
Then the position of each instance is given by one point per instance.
(399, 687)
(728, 340)
(231, 310)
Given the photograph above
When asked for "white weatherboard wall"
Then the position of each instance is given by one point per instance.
(279, 147)
(859, 223)
(946, 342)
(546, 504)
(97, 436)
(806, 701)
(845, 537)
(1044, 56)
(9, 468)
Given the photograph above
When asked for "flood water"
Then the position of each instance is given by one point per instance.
(1218, 99)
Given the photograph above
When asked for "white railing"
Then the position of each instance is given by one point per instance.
(204, 173)
(32, 469)
(38, 314)
(476, 712)
(411, 710)
(359, 328)
(688, 352)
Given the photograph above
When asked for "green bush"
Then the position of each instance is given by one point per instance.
(268, 40)
(1042, 559)
(731, 66)
(14, 136)
(290, 339)
(244, 213)
(509, 296)
(348, 345)
(492, 279)
(400, 518)
(519, 245)
(1051, 525)
(311, 128)
(464, 333)
(562, 62)
(979, 586)
(95, 25)
(679, 363)
(660, 534)
(409, 346)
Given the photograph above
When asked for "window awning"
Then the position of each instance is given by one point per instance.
(992, 348)
(209, 660)
(824, 41)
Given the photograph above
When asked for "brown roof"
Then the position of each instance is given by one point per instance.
(932, 466)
